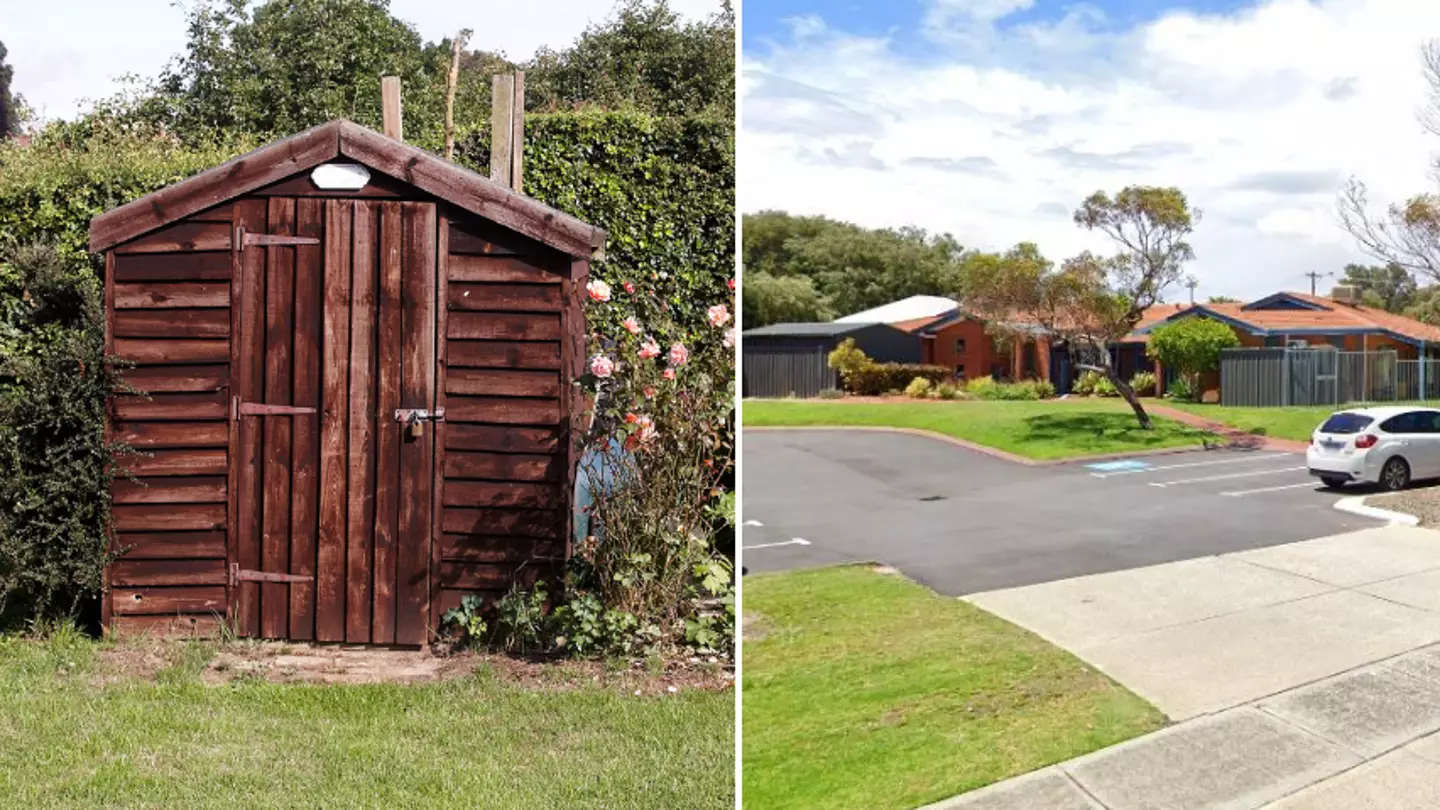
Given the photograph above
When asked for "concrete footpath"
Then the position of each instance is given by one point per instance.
(1302, 676)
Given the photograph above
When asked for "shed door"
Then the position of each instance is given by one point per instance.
(333, 496)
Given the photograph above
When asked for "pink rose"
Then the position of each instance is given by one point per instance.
(668, 374)
(631, 325)
(630, 287)
(599, 290)
(718, 315)
(731, 284)
(649, 349)
(729, 340)
(602, 366)
(649, 392)
(679, 354)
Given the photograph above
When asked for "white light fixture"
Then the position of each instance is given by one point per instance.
(340, 176)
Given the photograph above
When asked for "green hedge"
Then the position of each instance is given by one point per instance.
(876, 379)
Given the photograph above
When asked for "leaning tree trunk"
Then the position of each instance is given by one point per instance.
(1128, 393)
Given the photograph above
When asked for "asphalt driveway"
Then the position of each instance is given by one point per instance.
(963, 522)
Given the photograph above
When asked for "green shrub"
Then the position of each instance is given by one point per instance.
(1044, 389)
(948, 391)
(981, 387)
(882, 378)
(849, 360)
(1084, 385)
(520, 620)
(1179, 389)
(988, 388)
(919, 388)
(1144, 384)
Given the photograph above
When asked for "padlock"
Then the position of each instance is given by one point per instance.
(417, 428)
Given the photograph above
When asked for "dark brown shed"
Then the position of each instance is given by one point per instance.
(288, 324)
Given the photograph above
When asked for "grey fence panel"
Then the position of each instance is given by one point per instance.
(1275, 377)
(1252, 377)
(786, 374)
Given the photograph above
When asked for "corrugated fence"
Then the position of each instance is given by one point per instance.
(1277, 377)
(788, 373)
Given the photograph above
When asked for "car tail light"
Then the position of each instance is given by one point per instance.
(1366, 440)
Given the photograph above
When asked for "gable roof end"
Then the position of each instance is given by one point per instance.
(340, 138)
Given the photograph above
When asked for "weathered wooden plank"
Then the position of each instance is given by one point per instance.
(503, 383)
(248, 367)
(191, 625)
(177, 489)
(496, 493)
(503, 326)
(465, 243)
(190, 461)
(361, 503)
(178, 379)
(417, 455)
(150, 435)
(279, 390)
(545, 523)
(481, 267)
(484, 548)
(380, 186)
(475, 576)
(492, 438)
(224, 212)
(157, 601)
(501, 354)
(136, 408)
(504, 297)
(181, 237)
(437, 489)
(224, 182)
(107, 310)
(177, 323)
(169, 517)
(387, 450)
(502, 146)
(304, 517)
(170, 545)
(471, 191)
(152, 351)
(572, 368)
(334, 430)
(502, 466)
(171, 295)
(168, 572)
(210, 265)
(503, 410)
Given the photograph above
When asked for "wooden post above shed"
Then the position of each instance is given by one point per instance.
(359, 361)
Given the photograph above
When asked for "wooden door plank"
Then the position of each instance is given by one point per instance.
(181, 237)
(172, 295)
(502, 466)
(248, 332)
(168, 572)
(169, 517)
(279, 337)
(541, 523)
(442, 286)
(178, 379)
(176, 462)
(330, 565)
(503, 383)
(459, 492)
(503, 326)
(498, 439)
(502, 354)
(149, 435)
(162, 601)
(417, 390)
(358, 584)
(167, 352)
(305, 481)
(180, 489)
(503, 410)
(505, 297)
(170, 545)
(208, 266)
(464, 267)
(387, 449)
(496, 549)
(174, 323)
(206, 405)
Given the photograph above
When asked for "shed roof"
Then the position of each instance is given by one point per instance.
(906, 309)
(831, 329)
(440, 178)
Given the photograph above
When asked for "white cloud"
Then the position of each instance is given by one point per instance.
(1258, 115)
(66, 51)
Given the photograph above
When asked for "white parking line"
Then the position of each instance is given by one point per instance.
(798, 541)
(1223, 477)
(1242, 493)
(752, 523)
(1192, 464)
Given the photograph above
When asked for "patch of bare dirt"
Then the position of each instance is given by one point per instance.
(219, 663)
(1422, 502)
(753, 627)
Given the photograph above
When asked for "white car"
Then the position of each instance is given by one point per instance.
(1389, 446)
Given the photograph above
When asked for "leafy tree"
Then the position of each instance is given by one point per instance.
(1389, 287)
(646, 56)
(1222, 299)
(1092, 301)
(9, 114)
(782, 299)
(1425, 305)
(1191, 346)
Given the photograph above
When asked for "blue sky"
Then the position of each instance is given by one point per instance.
(992, 119)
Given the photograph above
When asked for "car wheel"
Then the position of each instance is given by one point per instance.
(1332, 482)
(1395, 475)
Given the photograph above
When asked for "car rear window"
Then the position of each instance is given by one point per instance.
(1346, 423)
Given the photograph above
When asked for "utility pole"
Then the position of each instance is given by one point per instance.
(1192, 283)
(1314, 277)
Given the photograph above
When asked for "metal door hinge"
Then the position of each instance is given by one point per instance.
(238, 575)
(239, 408)
(245, 239)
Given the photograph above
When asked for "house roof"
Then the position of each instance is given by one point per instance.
(440, 178)
(824, 329)
(906, 309)
(1305, 314)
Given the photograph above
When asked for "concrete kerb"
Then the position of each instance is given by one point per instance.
(991, 451)
(1357, 506)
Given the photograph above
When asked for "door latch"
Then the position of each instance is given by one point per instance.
(414, 419)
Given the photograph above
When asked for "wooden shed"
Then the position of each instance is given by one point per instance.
(357, 360)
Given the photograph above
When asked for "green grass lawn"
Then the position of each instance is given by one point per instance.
(1281, 423)
(1049, 429)
(866, 690)
(71, 738)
